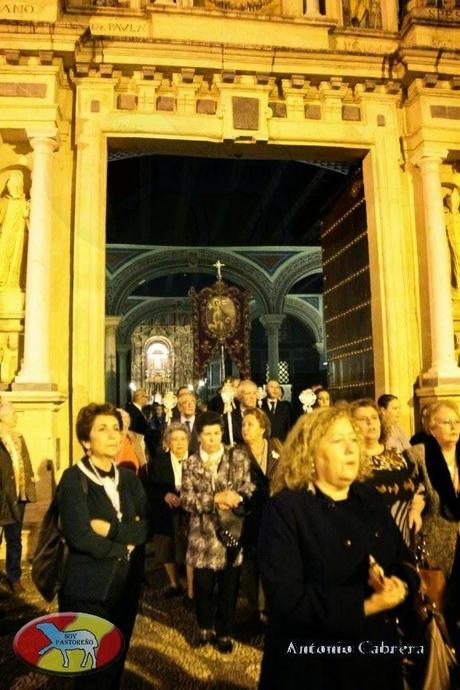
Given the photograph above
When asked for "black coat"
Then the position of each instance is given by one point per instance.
(314, 560)
(91, 560)
(280, 419)
(160, 482)
(237, 420)
(9, 510)
(140, 425)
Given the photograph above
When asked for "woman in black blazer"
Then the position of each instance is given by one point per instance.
(170, 521)
(334, 566)
(103, 515)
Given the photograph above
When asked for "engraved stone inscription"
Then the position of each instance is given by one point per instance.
(23, 90)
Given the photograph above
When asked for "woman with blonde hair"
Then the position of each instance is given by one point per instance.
(333, 566)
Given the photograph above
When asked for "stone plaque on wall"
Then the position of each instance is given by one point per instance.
(245, 113)
(29, 11)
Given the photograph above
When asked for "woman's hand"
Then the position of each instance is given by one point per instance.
(227, 499)
(376, 575)
(414, 521)
(392, 594)
(172, 500)
(101, 527)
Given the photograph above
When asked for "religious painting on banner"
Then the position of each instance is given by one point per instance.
(220, 318)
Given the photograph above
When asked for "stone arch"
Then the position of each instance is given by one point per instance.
(146, 310)
(301, 266)
(159, 262)
(302, 311)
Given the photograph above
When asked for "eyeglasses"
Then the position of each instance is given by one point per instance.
(448, 422)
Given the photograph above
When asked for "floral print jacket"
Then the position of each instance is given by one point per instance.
(197, 497)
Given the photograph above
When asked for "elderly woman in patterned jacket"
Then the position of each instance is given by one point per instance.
(214, 477)
(17, 488)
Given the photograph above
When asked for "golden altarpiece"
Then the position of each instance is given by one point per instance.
(303, 79)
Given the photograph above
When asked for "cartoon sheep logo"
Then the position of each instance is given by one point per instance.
(67, 640)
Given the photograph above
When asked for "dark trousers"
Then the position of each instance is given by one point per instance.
(14, 546)
(215, 593)
(123, 615)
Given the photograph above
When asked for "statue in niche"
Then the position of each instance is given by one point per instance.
(9, 357)
(362, 13)
(452, 207)
(14, 213)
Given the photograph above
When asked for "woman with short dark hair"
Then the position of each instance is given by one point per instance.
(103, 515)
(213, 478)
(263, 453)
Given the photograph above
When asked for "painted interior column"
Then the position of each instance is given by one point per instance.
(35, 371)
(111, 325)
(444, 368)
(272, 324)
(123, 351)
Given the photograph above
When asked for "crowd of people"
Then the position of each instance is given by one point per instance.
(309, 521)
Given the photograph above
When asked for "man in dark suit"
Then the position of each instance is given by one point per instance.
(185, 413)
(139, 423)
(247, 398)
(278, 411)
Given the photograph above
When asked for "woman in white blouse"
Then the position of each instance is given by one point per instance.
(170, 522)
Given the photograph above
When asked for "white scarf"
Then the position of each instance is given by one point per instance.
(211, 462)
(110, 484)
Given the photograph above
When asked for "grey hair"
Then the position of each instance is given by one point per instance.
(175, 426)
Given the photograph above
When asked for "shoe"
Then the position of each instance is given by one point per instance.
(171, 592)
(224, 645)
(16, 587)
(206, 637)
(188, 603)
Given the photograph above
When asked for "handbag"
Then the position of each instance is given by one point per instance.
(51, 553)
(229, 523)
(433, 580)
(230, 526)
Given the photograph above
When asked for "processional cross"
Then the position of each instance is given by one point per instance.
(218, 265)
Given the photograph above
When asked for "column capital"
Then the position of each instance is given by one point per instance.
(112, 321)
(427, 154)
(43, 137)
(123, 348)
(272, 322)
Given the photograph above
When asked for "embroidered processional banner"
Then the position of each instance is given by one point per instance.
(220, 318)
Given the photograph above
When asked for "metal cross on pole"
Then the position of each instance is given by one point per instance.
(218, 265)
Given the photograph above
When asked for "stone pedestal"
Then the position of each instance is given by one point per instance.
(11, 326)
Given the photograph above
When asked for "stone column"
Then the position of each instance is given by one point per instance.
(312, 7)
(272, 324)
(443, 368)
(111, 325)
(123, 380)
(35, 371)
